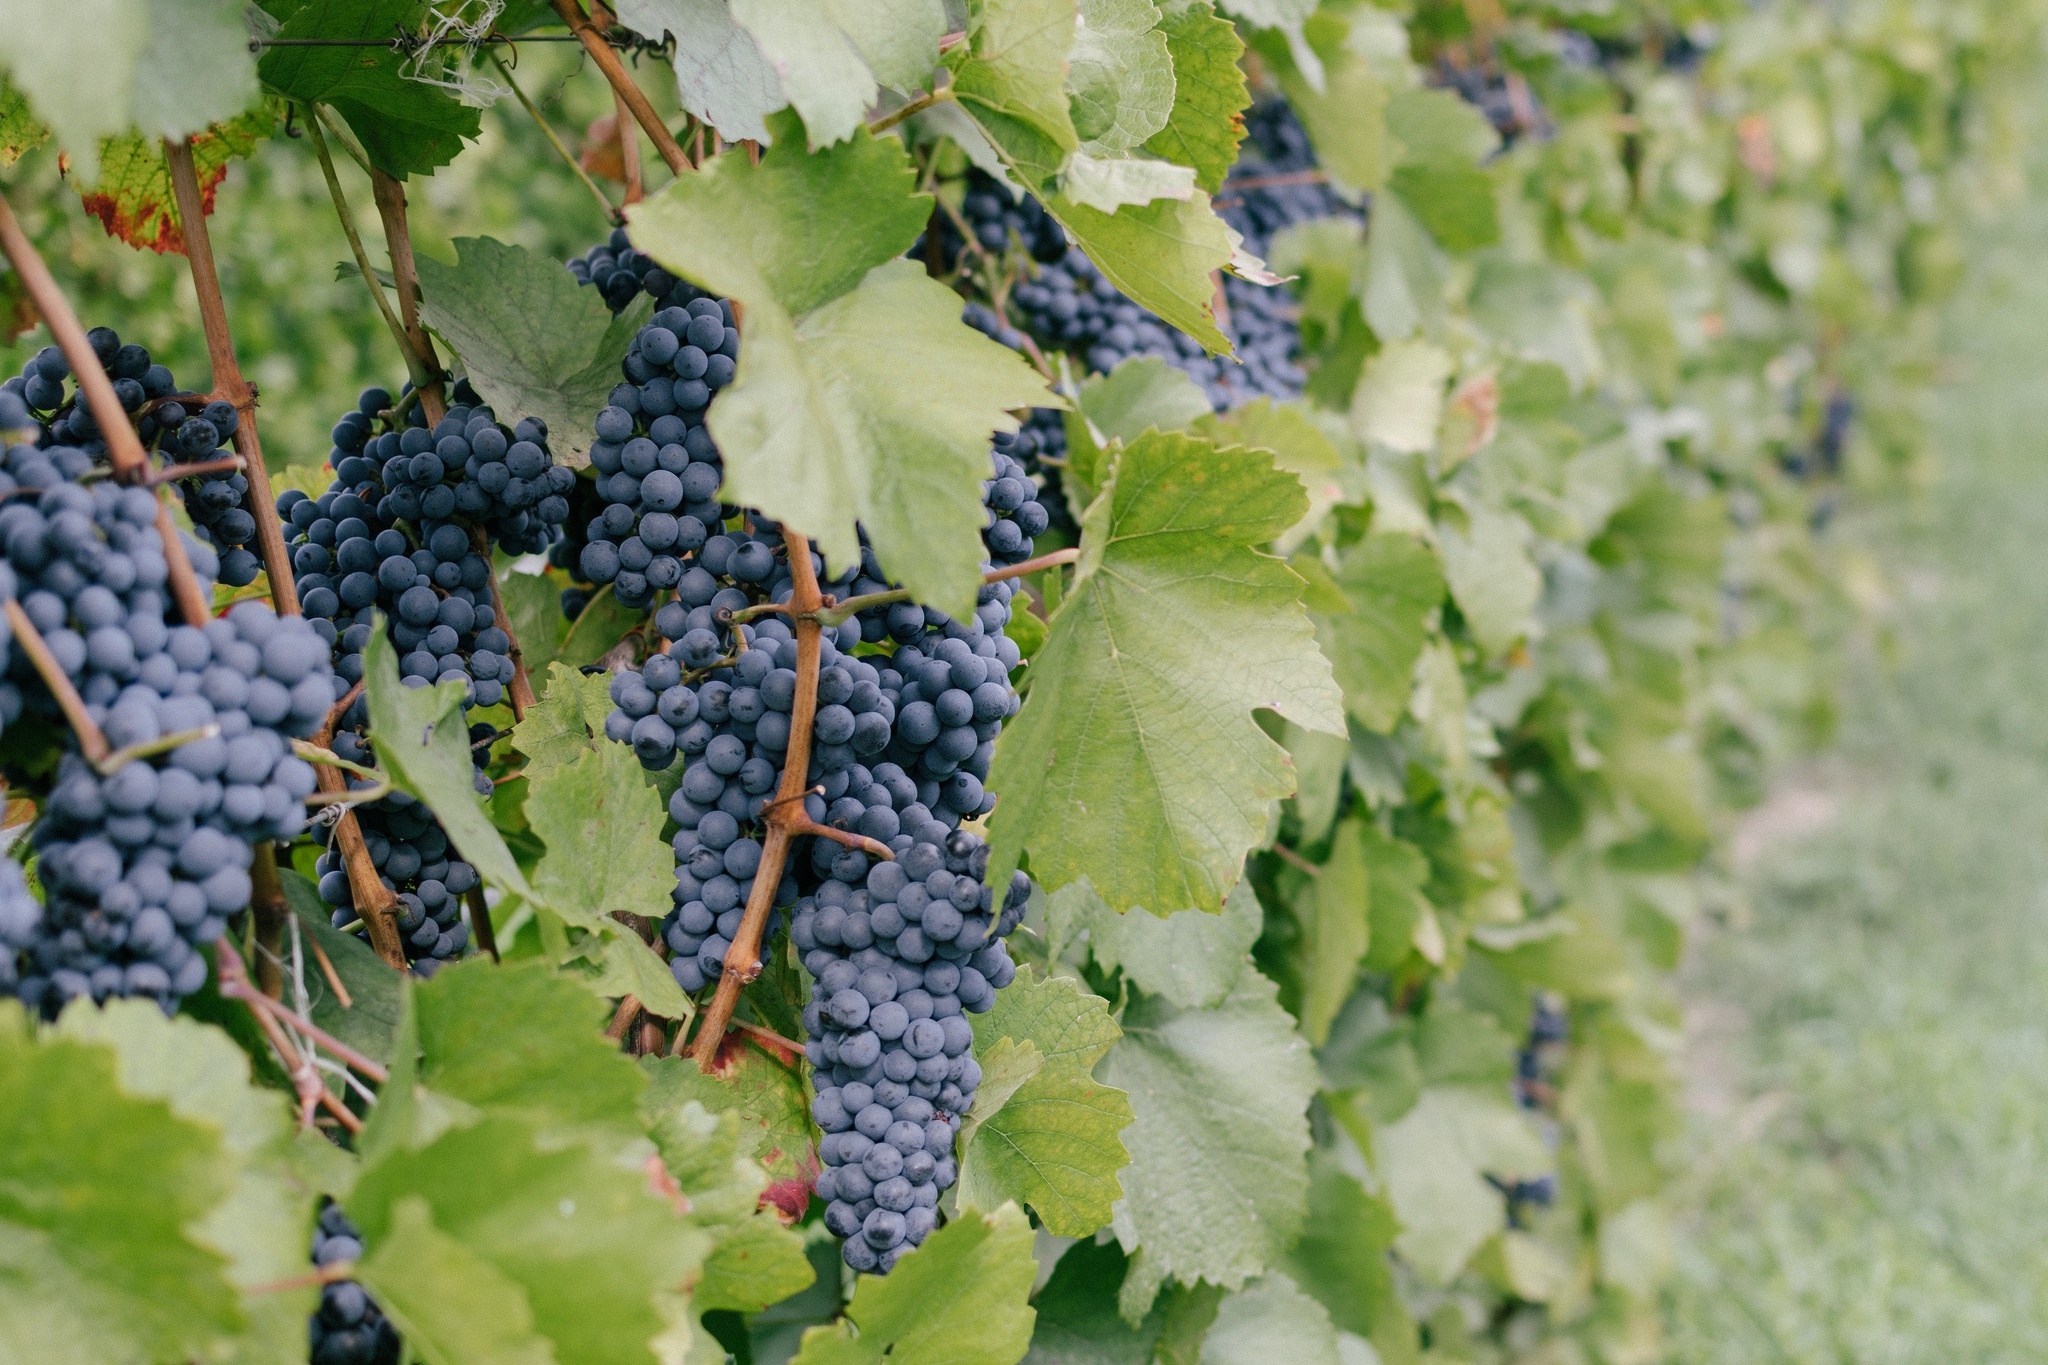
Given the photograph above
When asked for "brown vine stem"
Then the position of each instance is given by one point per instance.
(622, 84)
(786, 819)
(521, 690)
(629, 148)
(91, 742)
(480, 922)
(124, 447)
(415, 366)
(405, 277)
(832, 613)
(266, 902)
(227, 372)
(234, 983)
(376, 903)
(306, 1083)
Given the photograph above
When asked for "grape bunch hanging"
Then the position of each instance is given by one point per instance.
(143, 854)
(888, 909)
(401, 538)
(182, 428)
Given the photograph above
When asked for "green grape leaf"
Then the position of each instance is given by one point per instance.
(1491, 576)
(1341, 1258)
(1439, 126)
(1435, 1160)
(815, 429)
(97, 1191)
(1405, 272)
(1142, 392)
(767, 1091)
(1344, 113)
(1299, 446)
(1190, 958)
(370, 1019)
(832, 55)
(722, 76)
(1160, 254)
(1393, 585)
(1175, 628)
(1400, 396)
(133, 198)
(534, 602)
(422, 742)
(547, 1219)
(1078, 1322)
(515, 1038)
(1337, 923)
(533, 341)
(406, 126)
(204, 1077)
(20, 132)
(1209, 93)
(1398, 871)
(1456, 203)
(1107, 184)
(112, 65)
(451, 1304)
(1004, 1069)
(592, 635)
(1120, 77)
(1010, 78)
(960, 1299)
(755, 1264)
(1217, 1183)
(1054, 1145)
(602, 825)
(1270, 1320)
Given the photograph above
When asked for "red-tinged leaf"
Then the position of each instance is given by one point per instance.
(773, 1102)
(17, 311)
(133, 199)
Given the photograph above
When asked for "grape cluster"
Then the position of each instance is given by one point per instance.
(658, 471)
(374, 543)
(902, 746)
(413, 859)
(142, 866)
(901, 951)
(184, 428)
(468, 470)
(348, 1328)
(622, 274)
(997, 220)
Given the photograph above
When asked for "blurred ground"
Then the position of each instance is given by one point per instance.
(1867, 1062)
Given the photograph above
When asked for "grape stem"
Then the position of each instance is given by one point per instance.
(311, 1090)
(405, 278)
(480, 921)
(833, 612)
(521, 690)
(227, 373)
(415, 366)
(629, 148)
(121, 758)
(91, 742)
(915, 106)
(124, 447)
(375, 902)
(786, 817)
(171, 473)
(622, 84)
(234, 983)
